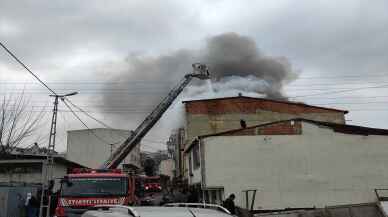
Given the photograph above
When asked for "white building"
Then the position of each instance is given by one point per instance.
(29, 168)
(92, 147)
(291, 163)
(167, 167)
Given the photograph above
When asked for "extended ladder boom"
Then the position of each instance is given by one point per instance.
(199, 71)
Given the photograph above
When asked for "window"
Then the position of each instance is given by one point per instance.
(196, 158)
(214, 196)
(95, 187)
(190, 166)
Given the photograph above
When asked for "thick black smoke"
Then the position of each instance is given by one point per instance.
(233, 55)
(228, 56)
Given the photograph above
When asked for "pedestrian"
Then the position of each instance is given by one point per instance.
(21, 206)
(229, 204)
(32, 205)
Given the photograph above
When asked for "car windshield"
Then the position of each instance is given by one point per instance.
(86, 187)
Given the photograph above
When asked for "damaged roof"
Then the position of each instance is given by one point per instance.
(267, 100)
(339, 128)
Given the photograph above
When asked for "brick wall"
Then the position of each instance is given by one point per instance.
(283, 128)
(250, 105)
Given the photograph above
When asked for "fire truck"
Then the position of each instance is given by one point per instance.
(83, 188)
(151, 183)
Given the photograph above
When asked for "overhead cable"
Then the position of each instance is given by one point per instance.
(21, 63)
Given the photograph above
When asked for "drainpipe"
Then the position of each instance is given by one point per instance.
(202, 166)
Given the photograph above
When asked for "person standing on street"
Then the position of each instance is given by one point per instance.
(229, 204)
(32, 205)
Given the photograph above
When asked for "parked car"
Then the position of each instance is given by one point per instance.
(170, 210)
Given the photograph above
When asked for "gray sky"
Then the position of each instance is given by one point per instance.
(333, 45)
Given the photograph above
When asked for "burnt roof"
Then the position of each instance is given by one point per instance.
(266, 99)
(339, 128)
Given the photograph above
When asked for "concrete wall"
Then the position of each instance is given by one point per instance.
(167, 167)
(86, 149)
(317, 168)
(23, 173)
(195, 176)
(202, 124)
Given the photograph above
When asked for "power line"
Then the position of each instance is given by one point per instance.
(140, 109)
(83, 123)
(21, 63)
(87, 114)
(107, 126)
(340, 91)
(345, 76)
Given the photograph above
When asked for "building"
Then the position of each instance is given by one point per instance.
(29, 168)
(176, 146)
(33, 149)
(291, 163)
(207, 116)
(220, 114)
(91, 147)
(167, 168)
(155, 157)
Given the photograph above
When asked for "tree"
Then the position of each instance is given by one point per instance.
(17, 123)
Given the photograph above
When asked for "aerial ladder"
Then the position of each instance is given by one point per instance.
(200, 71)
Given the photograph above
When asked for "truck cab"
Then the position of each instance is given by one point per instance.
(84, 188)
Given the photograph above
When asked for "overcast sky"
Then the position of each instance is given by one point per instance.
(332, 45)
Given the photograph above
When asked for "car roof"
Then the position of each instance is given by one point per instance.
(149, 211)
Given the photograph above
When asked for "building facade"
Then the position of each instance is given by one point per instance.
(92, 147)
(167, 168)
(176, 147)
(30, 168)
(209, 116)
(291, 164)
(221, 114)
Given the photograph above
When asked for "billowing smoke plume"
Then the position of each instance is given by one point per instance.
(235, 63)
(234, 55)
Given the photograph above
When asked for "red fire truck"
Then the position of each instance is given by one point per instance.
(86, 187)
(107, 185)
(151, 183)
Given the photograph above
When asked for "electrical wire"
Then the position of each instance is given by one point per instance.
(340, 91)
(87, 114)
(344, 76)
(83, 123)
(107, 126)
(21, 63)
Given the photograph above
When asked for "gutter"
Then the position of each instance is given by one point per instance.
(202, 163)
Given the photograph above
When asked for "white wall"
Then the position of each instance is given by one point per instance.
(34, 176)
(317, 168)
(195, 176)
(167, 167)
(86, 149)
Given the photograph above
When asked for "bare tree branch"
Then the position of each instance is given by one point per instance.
(16, 122)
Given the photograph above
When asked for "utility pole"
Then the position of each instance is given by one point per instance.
(48, 166)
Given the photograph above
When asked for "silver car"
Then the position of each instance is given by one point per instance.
(170, 210)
